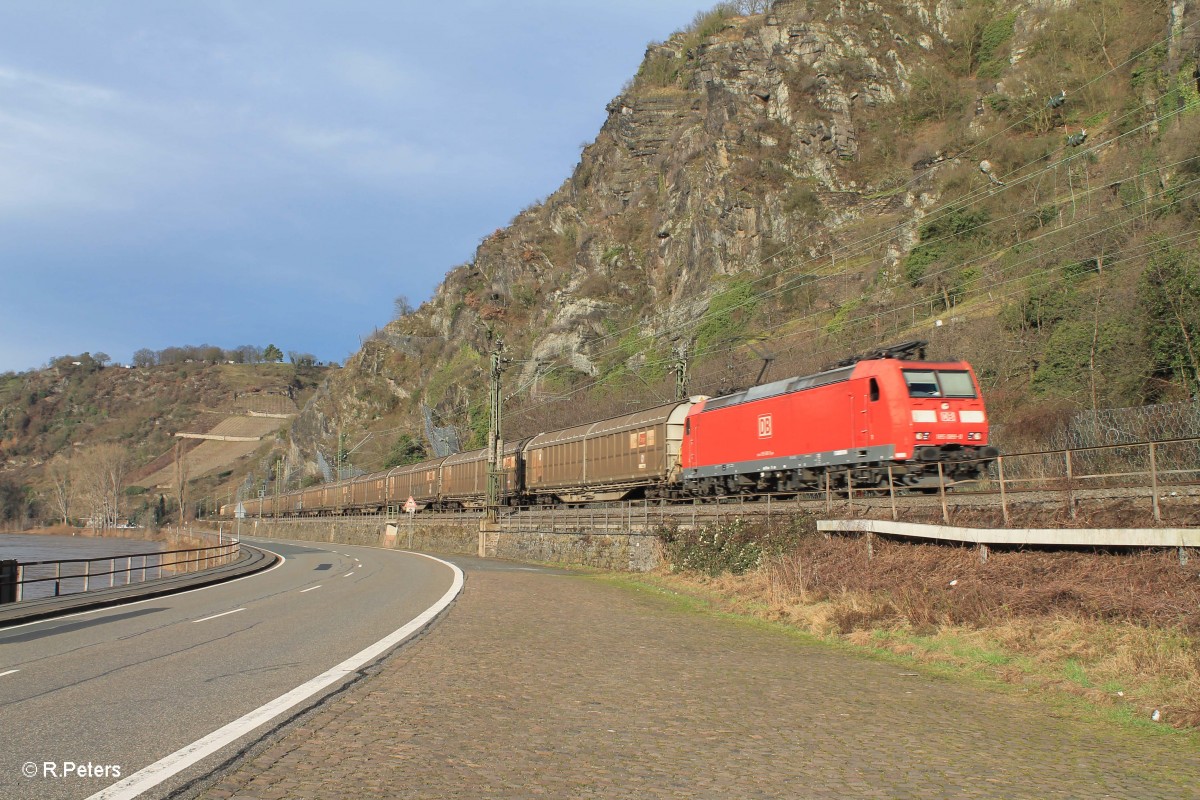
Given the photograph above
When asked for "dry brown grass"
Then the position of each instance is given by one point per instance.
(1120, 630)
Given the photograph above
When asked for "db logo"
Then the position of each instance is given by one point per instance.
(764, 426)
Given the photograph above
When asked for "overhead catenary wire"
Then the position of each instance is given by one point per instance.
(956, 204)
(1038, 256)
(1012, 280)
(856, 248)
(1048, 233)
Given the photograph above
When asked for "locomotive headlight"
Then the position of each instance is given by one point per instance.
(922, 437)
(975, 437)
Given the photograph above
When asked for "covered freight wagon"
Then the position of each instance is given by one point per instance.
(633, 455)
(422, 482)
(464, 478)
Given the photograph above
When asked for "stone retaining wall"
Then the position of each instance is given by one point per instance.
(632, 552)
(443, 537)
(624, 551)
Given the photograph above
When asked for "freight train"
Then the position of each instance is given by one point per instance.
(884, 416)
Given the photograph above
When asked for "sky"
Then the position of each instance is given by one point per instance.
(279, 171)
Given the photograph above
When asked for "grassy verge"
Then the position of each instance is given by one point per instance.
(1112, 635)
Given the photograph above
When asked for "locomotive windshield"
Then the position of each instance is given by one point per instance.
(940, 383)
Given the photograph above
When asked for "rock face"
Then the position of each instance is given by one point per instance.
(757, 169)
(688, 181)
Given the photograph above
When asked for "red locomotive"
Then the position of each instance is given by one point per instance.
(879, 417)
(849, 425)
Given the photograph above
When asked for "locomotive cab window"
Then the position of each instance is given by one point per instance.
(921, 383)
(874, 390)
(956, 384)
(942, 383)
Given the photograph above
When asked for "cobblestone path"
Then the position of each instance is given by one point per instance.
(546, 684)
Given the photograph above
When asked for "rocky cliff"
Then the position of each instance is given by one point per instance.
(820, 179)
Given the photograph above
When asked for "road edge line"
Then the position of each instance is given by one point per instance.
(164, 768)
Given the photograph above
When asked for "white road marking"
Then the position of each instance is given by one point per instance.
(10, 672)
(348, 574)
(122, 606)
(222, 614)
(159, 771)
(309, 589)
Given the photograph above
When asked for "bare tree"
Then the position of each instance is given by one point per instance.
(181, 479)
(402, 307)
(59, 470)
(99, 475)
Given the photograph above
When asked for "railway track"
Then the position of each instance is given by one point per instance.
(649, 514)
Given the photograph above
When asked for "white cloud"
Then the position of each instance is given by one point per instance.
(69, 145)
(375, 76)
(362, 153)
(20, 83)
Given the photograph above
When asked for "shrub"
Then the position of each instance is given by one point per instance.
(942, 239)
(803, 202)
(993, 56)
(935, 95)
(731, 547)
(727, 317)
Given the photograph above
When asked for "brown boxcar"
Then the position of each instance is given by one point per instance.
(421, 482)
(311, 500)
(464, 478)
(632, 455)
(369, 493)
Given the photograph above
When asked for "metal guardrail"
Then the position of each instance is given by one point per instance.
(37, 579)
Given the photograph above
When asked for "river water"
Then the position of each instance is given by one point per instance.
(26, 548)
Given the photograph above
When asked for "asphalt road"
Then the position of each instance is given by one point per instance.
(123, 687)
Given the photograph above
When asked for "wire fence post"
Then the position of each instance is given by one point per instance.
(942, 492)
(1070, 480)
(1154, 484)
(1003, 498)
(828, 494)
(892, 494)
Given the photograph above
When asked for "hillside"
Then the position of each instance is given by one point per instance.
(78, 403)
(1016, 184)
